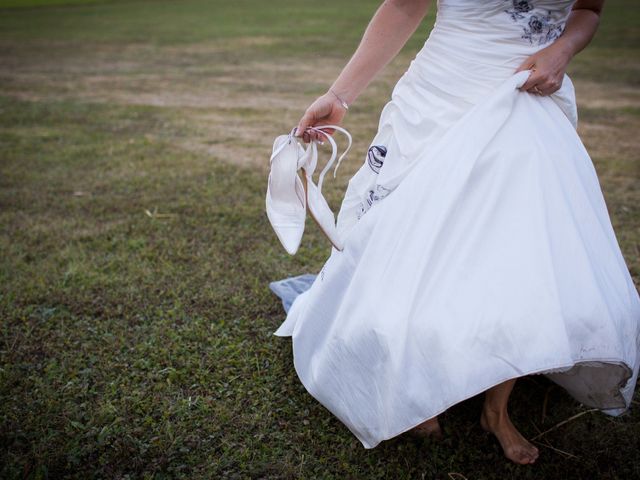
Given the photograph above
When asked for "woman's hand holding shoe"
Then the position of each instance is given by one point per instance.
(325, 110)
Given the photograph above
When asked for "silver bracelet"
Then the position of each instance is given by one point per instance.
(342, 102)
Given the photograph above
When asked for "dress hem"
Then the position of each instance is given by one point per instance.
(532, 372)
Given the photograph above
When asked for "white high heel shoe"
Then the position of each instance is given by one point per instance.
(285, 201)
(316, 203)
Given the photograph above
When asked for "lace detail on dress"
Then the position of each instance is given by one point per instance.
(539, 28)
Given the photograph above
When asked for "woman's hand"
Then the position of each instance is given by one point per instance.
(549, 65)
(325, 110)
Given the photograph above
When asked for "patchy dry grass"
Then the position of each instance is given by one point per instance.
(139, 345)
(232, 108)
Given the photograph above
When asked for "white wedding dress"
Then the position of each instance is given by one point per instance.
(478, 245)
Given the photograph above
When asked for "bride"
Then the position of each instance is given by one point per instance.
(478, 247)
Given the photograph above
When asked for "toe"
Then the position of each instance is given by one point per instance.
(526, 457)
(523, 456)
(533, 456)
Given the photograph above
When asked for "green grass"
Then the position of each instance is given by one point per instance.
(140, 346)
(163, 22)
(43, 3)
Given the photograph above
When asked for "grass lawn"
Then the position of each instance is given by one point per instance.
(136, 334)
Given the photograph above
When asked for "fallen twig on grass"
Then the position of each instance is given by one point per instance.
(546, 443)
(454, 475)
(155, 214)
(561, 452)
(565, 421)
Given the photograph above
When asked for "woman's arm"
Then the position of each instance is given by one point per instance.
(389, 29)
(551, 62)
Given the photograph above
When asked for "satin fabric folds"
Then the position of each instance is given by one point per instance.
(477, 249)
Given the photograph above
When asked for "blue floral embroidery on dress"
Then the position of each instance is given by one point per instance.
(377, 193)
(519, 7)
(540, 27)
(375, 158)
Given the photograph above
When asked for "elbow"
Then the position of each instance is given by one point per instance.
(594, 6)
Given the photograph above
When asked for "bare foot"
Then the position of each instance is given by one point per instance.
(430, 428)
(515, 446)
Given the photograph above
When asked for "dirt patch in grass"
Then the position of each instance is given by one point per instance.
(596, 95)
(230, 108)
(232, 104)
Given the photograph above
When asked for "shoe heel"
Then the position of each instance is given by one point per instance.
(313, 209)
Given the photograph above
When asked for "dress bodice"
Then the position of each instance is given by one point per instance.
(476, 44)
(520, 24)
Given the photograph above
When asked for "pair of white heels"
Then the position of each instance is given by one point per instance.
(288, 197)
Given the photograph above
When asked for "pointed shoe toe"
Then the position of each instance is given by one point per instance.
(285, 199)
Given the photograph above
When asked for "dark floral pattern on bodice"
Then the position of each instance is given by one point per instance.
(539, 26)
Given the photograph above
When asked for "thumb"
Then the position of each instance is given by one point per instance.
(305, 121)
(533, 76)
(532, 79)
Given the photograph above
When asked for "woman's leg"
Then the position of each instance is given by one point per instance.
(495, 419)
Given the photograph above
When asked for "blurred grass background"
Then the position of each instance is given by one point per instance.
(136, 335)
